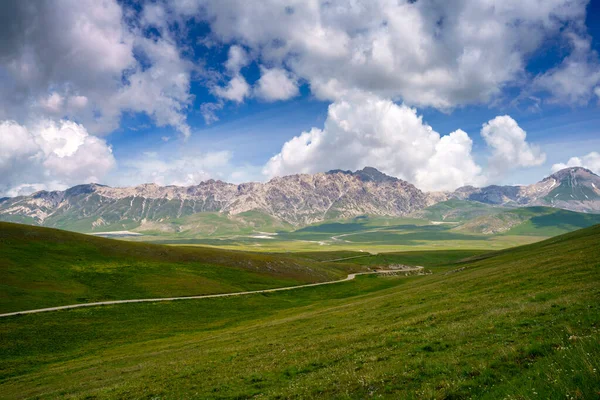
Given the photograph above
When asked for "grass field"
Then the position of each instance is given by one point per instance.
(41, 267)
(448, 225)
(520, 323)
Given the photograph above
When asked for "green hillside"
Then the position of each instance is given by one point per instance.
(458, 210)
(42, 267)
(530, 221)
(211, 225)
(520, 323)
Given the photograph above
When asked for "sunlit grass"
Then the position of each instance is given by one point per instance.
(518, 324)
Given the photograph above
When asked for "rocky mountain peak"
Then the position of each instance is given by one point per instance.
(367, 174)
(83, 189)
(568, 173)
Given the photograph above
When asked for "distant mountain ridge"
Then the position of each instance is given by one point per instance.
(297, 200)
(575, 189)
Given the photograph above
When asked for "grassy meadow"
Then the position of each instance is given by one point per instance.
(520, 323)
(450, 225)
(42, 267)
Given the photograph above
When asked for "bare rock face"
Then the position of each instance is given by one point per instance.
(296, 199)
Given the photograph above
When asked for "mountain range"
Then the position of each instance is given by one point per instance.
(295, 200)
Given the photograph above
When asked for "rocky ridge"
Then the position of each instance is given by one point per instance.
(296, 199)
(575, 189)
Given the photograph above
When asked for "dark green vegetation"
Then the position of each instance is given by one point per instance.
(521, 323)
(42, 267)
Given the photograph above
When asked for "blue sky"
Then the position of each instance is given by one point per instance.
(176, 92)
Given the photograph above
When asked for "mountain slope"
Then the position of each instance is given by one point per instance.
(295, 199)
(575, 189)
(536, 221)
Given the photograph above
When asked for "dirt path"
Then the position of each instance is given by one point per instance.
(349, 258)
(207, 296)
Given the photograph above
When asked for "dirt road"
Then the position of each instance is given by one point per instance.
(207, 296)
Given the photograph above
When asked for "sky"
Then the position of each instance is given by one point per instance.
(175, 92)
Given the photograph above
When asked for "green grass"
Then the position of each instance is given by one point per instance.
(520, 323)
(431, 259)
(214, 225)
(552, 222)
(42, 267)
(457, 225)
(458, 210)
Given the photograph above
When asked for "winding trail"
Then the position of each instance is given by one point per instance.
(206, 296)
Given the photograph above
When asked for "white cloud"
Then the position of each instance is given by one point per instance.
(574, 81)
(509, 146)
(236, 90)
(83, 60)
(54, 103)
(590, 161)
(161, 91)
(451, 165)
(77, 102)
(371, 131)
(237, 59)
(50, 155)
(209, 111)
(276, 84)
(443, 55)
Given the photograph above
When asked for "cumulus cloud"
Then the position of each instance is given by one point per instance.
(237, 59)
(50, 155)
(451, 165)
(161, 90)
(590, 161)
(510, 149)
(371, 131)
(276, 84)
(440, 54)
(575, 80)
(236, 90)
(84, 60)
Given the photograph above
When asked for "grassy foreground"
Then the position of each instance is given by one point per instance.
(42, 267)
(517, 324)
